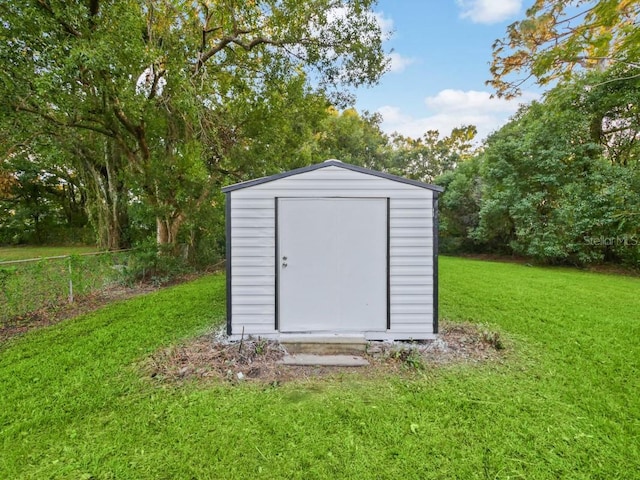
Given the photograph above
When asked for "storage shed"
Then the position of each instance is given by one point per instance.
(332, 249)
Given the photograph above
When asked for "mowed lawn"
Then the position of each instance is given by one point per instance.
(21, 253)
(565, 403)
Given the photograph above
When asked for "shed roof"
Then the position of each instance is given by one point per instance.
(331, 163)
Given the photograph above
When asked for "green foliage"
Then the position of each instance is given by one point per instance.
(6, 273)
(352, 138)
(561, 405)
(557, 182)
(409, 357)
(205, 236)
(276, 130)
(147, 109)
(609, 99)
(559, 37)
(40, 203)
(548, 188)
(160, 101)
(260, 346)
(154, 264)
(459, 206)
(431, 155)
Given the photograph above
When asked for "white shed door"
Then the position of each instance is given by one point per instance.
(332, 264)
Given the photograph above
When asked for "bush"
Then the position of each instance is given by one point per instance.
(157, 265)
(459, 207)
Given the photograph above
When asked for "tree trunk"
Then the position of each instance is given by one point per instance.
(109, 200)
(167, 229)
(168, 225)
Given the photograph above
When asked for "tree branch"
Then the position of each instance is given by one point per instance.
(20, 145)
(94, 9)
(62, 123)
(136, 130)
(212, 51)
(233, 39)
(255, 42)
(156, 79)
(46, 6)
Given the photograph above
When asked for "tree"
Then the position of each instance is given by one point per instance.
(353, 138)
(155, 81)
(611, 102)
(431, 155)
(87, 164)
(459, 206)
(550, 187)
(276, 132)
(558, 37)
(39, 203)
(526, 166)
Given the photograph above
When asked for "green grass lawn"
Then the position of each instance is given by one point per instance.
(21, 253)
(565, 403)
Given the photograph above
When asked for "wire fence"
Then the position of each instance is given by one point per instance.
(29, 285)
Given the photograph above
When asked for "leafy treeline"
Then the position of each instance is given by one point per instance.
(38, 194)
(121, 120)
(149, 106)
(560, 182)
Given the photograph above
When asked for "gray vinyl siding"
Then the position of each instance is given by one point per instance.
(253, 261)
(411, 281)
(252, 264)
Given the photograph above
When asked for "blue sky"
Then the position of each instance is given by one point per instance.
(440, 61)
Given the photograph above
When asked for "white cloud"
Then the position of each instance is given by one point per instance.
(393, 115)
(385, 23)
(459, 100)
(452, 108)
(399, 63)
(489, 11)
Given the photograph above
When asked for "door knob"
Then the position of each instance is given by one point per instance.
(284, 262)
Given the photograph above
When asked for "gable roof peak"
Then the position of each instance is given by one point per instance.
(332, 162)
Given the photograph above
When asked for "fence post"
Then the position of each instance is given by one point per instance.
(70, 281)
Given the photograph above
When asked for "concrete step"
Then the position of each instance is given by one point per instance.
(324, 345)
(307, 359)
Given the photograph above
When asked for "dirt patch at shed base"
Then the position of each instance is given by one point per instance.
(212, 357)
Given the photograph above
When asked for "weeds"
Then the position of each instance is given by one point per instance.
(260, 346)
(410, 357)
(494, 339)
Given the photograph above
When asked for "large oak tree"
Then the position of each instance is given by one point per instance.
(149, 97)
